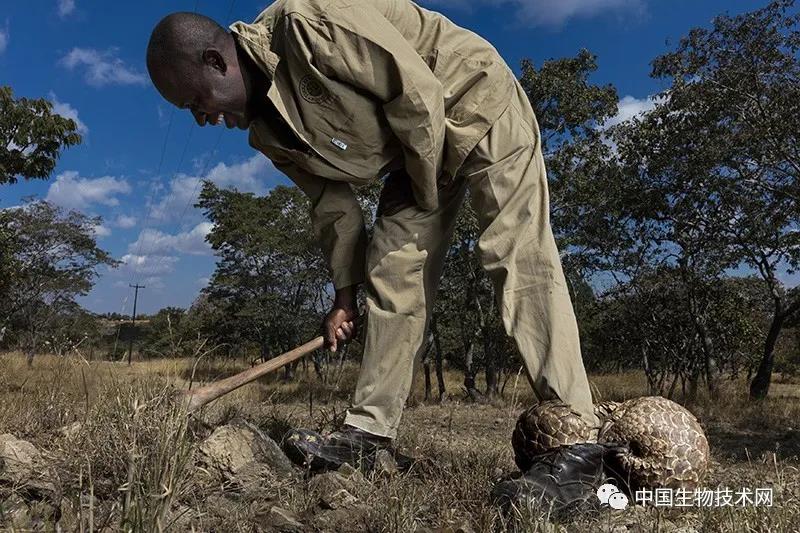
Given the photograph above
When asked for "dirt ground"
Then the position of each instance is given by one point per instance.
(125, 457)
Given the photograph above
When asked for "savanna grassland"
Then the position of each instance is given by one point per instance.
(127, 457)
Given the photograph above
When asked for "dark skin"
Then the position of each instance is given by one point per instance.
(224, 85)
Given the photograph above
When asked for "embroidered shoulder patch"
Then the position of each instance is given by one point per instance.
(312, 90)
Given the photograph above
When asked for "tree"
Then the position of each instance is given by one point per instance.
(648, 324)
(31, 137)
(706, 182)
(567, 106)
(165, 334)
(53, 259)
(729, 126)
(270, 284)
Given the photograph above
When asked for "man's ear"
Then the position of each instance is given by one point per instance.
(214, 59)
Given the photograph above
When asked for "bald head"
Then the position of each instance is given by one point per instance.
(194, 64)
(180, 39)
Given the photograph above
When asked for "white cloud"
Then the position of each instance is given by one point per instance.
(72, 191)
(125, 222)
(551, 13)
(65, 7)
(154, 282)
(67, 111)
(101, 230)
(102, 67)
(150, 265)
(154, 242)
(249, 176)
(203, 282)
(630, 107)
(4, 38)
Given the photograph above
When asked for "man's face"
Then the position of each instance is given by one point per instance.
(214, 91)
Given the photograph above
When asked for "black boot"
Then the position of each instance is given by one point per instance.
(563, 480)
(348, 445)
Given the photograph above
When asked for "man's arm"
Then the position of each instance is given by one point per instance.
(337, 221)
(339, 228)
(358, 46)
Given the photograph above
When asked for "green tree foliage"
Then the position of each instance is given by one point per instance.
(269, 288)
(704, 183)
(734, 113)
(649, 325)
(567, 106)
(727, 134)
(31, 137)
(165, 334)
(54, 258)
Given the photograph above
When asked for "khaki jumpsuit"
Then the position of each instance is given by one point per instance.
(364, 89)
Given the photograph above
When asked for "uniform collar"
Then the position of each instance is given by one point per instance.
(255, 40)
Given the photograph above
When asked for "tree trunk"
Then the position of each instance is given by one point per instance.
(709, 366)
(439, 370)
(759, 388)
(491, 377)
(289, 370)
(426, 364)
(427, 367)
(316, 358)
(693, 381)
(469, 375)
(712, 377)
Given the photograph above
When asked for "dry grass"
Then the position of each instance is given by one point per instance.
(127, 461)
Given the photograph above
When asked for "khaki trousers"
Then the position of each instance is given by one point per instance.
(506, 177)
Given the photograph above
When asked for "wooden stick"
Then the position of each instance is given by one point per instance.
(195, 399)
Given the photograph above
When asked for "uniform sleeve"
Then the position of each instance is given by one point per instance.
(337, 221)
(356, 45)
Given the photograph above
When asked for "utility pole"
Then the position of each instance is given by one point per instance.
(133, 321)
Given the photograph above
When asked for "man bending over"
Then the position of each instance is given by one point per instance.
(338, 93)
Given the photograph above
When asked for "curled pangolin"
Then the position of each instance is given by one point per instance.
(663, 443)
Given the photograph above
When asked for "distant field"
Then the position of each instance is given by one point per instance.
(126, 459)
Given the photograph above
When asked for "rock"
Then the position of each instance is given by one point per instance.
(283, 520)
(17, 458)
(352, 473)
(339, 499)
(334, 490)
(234, 448)
(14, 514)
(24, 472)
(385, 463)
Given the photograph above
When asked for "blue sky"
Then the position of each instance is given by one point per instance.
(88, 58)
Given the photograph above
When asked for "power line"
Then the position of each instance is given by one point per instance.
(230, 10)
(148, 216)
(139, 272)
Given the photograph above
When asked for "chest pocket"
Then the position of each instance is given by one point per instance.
(367, 129)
